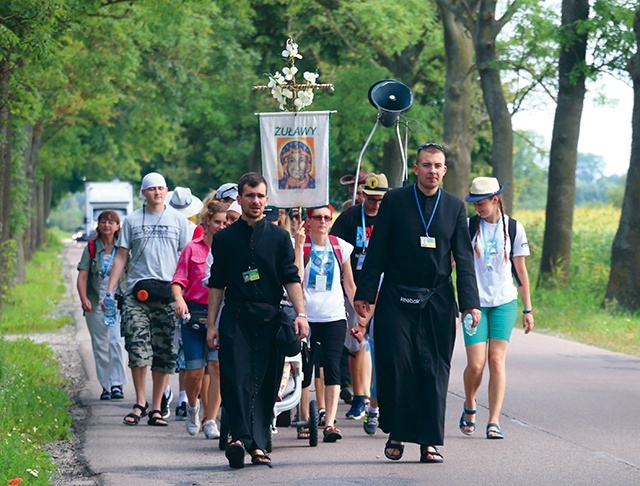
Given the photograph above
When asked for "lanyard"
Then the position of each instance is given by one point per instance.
(365, 240)
(490, 247)
(323, 255)
(104, 268)
(426, 226)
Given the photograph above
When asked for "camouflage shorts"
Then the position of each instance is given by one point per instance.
(148, 330)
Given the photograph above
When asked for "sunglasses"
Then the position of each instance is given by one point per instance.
(431, 144)
(320, 218)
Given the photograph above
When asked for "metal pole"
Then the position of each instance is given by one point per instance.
(355, 189)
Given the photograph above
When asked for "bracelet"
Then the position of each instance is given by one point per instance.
(527, 311)
(300, 314)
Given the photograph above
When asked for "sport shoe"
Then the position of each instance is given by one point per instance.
(193, 419)
(356, 412)
(165, 404)
(321, 417)
(211, 430)
(181, 412)
(370, 423)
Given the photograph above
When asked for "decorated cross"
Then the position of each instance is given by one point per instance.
(283, 85)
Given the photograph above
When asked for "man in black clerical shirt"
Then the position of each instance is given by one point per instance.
(252, 262)
(417, 230)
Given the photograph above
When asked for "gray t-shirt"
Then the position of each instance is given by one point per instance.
(154, 241)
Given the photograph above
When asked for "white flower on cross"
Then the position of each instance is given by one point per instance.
(291, 50)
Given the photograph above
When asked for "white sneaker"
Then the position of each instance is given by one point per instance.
(193, 419)
(211, 429)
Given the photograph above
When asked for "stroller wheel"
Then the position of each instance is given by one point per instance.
(313, 423)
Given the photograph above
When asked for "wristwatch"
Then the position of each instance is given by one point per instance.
(300, 314)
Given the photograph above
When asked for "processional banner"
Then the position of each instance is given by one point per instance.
(295, 158)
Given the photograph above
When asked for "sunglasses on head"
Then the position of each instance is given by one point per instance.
(431, 144)
(227, 193)
(319, 217)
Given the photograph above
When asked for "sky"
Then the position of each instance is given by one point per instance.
(604, 130)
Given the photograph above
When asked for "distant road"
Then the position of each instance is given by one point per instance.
(570, 417)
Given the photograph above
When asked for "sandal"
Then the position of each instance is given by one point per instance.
(331, 434)
(116, 393)
(304, 433)
(426, 451)
(467, 423)
(235, 455)
(135, 418)
(156, 419)
(259, 458)
(494, 431)
(105, 395)
(393, 447)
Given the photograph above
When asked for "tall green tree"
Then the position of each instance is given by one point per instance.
(624, 285)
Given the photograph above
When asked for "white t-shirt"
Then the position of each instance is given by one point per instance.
(322, 286)
(493, 269)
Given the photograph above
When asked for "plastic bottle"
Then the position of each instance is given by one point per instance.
(468, 325)
(110, 311)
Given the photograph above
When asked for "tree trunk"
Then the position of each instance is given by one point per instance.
(624, 285)
(5, 177)
(458, 136)
(392, 162)
(485, 32)
(556, 248)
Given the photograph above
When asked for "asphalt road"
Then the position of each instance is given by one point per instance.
(569, 417)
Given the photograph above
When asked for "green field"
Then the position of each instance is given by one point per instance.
(576, 312)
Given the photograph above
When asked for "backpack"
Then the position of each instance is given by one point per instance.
(92, 249)
(511, 229)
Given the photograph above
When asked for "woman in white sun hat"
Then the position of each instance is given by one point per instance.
(500, 247)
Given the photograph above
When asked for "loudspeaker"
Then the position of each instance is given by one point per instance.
(391, 98)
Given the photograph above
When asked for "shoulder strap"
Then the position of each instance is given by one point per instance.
(473, 223)
(511, 229)
(92, 249)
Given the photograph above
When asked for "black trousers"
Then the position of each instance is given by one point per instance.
(413, 352)
(250, 373)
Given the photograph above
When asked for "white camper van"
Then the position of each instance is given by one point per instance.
(116, 195)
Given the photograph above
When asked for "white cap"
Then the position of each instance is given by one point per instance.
(227, 190)
(235, 207)
(152, 179)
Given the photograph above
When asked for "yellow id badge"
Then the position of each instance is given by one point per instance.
(250, 275)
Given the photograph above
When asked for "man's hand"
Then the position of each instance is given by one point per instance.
(212, 337)
(362, 307)
(301, 327)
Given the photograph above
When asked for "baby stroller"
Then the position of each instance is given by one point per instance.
(290, 400)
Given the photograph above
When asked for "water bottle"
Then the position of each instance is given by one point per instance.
(110, 311)
(468, 325)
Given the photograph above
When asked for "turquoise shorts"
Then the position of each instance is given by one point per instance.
(495, 323)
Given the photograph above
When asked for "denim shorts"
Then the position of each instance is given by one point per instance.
(195, 349)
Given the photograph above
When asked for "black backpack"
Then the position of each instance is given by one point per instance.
(511, 229)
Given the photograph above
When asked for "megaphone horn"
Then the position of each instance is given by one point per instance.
(391, 98)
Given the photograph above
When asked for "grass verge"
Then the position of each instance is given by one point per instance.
(34, 398)
(30, 307)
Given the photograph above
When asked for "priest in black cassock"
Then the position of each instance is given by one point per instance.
(253, 260)
(419, 228)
